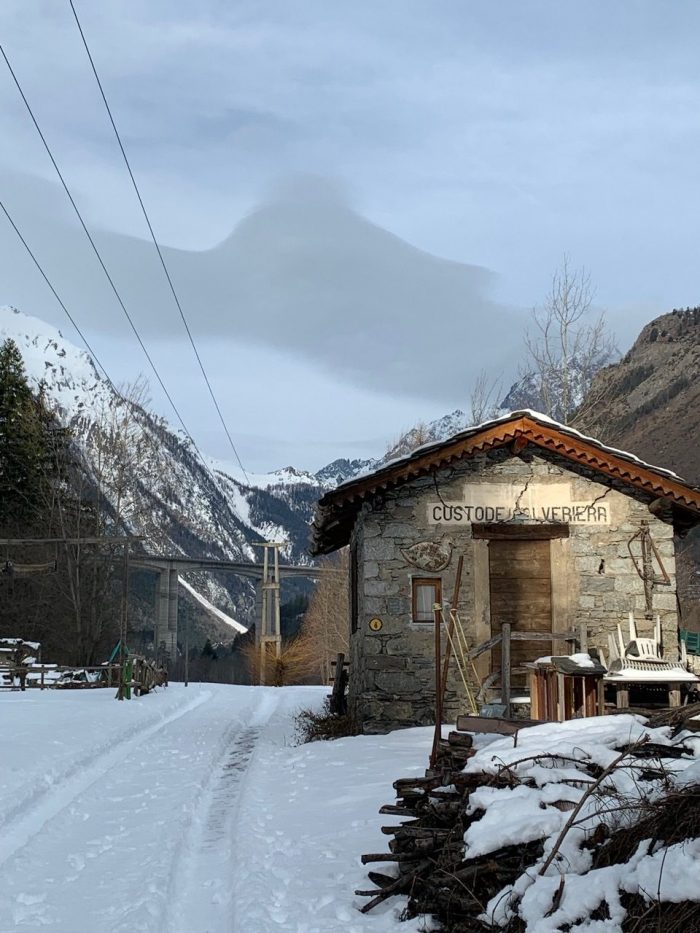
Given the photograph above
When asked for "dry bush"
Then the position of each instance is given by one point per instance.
(251, 657)
(321, 725)
(297, 663)
(326, 627)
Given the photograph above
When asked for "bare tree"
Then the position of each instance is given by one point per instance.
(326, 624)
(484, 396)
(565, 347)
(102, 490)
(415, 437)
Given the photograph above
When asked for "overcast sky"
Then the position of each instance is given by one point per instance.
(360, 201)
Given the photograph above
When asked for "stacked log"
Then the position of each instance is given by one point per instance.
(426, 856)
(427, 849)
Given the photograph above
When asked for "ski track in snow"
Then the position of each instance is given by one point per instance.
(141, 837)
(190, 811)
(205, 862)
(21, 824)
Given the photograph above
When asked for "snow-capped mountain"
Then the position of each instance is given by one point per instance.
(158, 483)
(161, 488)
(428, 433)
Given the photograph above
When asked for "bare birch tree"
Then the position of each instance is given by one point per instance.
(565, 347)
(484, 396)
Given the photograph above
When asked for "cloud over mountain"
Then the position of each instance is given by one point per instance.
(303, 273)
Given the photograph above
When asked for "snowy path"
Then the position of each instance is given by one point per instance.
(188, 812)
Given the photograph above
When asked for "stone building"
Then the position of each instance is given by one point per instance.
(555, 530)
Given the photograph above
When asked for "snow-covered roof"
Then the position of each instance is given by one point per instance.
(13, 642)
(503, 419)
(337, 509)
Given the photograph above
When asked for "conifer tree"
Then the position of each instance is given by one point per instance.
(23, 442)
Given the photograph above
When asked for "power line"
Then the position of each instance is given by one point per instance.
(155, 242)
(95, 249)
(58, 297)
(90, 350)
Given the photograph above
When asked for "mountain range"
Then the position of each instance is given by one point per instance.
(181, 502)
(186, 504)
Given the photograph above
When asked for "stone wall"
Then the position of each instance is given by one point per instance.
(594, 580)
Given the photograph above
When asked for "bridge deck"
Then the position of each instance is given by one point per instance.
(255, 571)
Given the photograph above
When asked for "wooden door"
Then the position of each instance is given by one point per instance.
(520, 585)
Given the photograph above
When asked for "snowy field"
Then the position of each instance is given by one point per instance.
(190, 811)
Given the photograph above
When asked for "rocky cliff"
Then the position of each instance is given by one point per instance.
(649, 404)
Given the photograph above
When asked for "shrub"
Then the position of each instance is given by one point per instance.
(321, 725)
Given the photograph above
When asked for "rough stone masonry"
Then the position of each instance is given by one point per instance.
(593, 576)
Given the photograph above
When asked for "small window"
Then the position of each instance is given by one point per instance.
(426, 592)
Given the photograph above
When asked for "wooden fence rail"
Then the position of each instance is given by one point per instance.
(504, 639)
(145, 675)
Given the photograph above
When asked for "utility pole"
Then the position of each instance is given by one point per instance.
(124, 621)
(268, 629)
(187, 652)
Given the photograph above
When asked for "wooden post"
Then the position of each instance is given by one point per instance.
(601, 697)
(437, 612)
(187, 652)
(534, 680)
(505, 669)
(451, 629)
(583, 638)
(622, 696)
(123, 625)
(336, 702)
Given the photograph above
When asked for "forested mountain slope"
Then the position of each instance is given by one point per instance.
(156, 483)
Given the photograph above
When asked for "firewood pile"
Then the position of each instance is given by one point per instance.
(428, 861)
(428, 847)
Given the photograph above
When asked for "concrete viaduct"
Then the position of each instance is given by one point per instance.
(168, 570)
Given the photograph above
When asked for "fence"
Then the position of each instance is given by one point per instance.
(141, 675)
(505, 672)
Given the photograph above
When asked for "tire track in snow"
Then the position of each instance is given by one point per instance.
(204, 864)
(19, 829)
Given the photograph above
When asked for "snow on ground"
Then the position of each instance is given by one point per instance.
(189, 811)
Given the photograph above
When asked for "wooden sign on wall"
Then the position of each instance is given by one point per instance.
(499, 502)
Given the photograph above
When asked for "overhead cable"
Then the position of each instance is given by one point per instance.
(82, 336)
(155, 242)
(95, 249)
(58, 297)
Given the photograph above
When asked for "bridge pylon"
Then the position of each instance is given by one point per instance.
(268, 632)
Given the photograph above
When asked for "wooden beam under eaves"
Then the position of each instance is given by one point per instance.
(519, 444)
